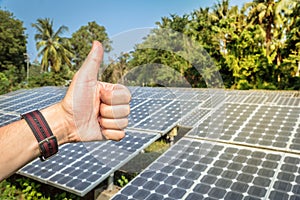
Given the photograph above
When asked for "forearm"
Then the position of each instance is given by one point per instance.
(19, 146)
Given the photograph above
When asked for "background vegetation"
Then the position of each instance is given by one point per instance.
(253, 47)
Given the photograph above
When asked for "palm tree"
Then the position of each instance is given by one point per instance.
(54, 49)
(269, 14)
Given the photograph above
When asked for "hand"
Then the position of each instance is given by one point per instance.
(95, 110)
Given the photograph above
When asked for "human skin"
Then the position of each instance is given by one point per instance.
(90, 111)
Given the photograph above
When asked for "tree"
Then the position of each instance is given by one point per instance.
(54, 49)
(12, 49)
(115, 72)
(82, 40)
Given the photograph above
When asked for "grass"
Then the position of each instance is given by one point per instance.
(159, 146)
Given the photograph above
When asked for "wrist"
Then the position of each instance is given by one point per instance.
(60, 122)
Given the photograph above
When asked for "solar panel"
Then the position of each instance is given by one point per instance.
(270, 127)
(287, 182)
(65, 169)
(243, 145)
(144, 110)
(166, 117)
(223, 123)
(194, 117)
(80, 167)
(194, 169)
(7, 119)
(246, 148)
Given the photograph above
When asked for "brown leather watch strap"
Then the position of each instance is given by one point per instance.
(42, 132)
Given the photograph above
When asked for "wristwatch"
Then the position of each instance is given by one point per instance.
(43, 134)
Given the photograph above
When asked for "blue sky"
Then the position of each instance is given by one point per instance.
(115, 15)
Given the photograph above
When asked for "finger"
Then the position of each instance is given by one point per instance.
(115, 124)
(115, 111)
(89, 69)
(115, 135)
(114, 94)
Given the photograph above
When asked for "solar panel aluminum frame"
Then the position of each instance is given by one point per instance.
(97, 182)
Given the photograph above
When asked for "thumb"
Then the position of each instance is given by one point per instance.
(90, 67)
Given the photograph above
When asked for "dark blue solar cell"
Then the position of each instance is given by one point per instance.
(202, 188)
(296, 189)
(286, 176)
(257, 191)
(150, 185)
(185, 184)
(193, 175)
(194, 196)
(73, 183)
(172, 180)
(138, 181)
(82, 186)
(155, 197)
(294, 197)
(217, 193)
(266, 172)
(94, 177)
(239, 187)
(215, 171)
(223, 183)
(177, 193)
(61, 178)
(180, 172)
(159, 177)
(141, 194)
(129, 190)
(163, 189)
(233, 196)
(261, 181)
(277, 195)
(168, 169)
(282, 186)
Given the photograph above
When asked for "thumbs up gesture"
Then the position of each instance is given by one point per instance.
(95, 110)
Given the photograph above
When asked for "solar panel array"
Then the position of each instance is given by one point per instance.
(247, 147)
(242, 145)
(78, 168)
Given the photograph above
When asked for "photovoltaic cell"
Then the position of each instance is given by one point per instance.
(233, 164)
(194, 169)
(194, 117)
(79, 167)
(270, 127)
(7, 119)
(223, 123)
(287, 183)
(145, 110)
(166, 117)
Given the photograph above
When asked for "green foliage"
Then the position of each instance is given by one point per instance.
(9, 191)
(30, 189)
(122, 181)
(12, 41)
(65, 196)
(25, 188)
(61, 78)
(12, 49)
(257, 47)
(4, 83)
(159, 146)
(82, 40)
(54, 49)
